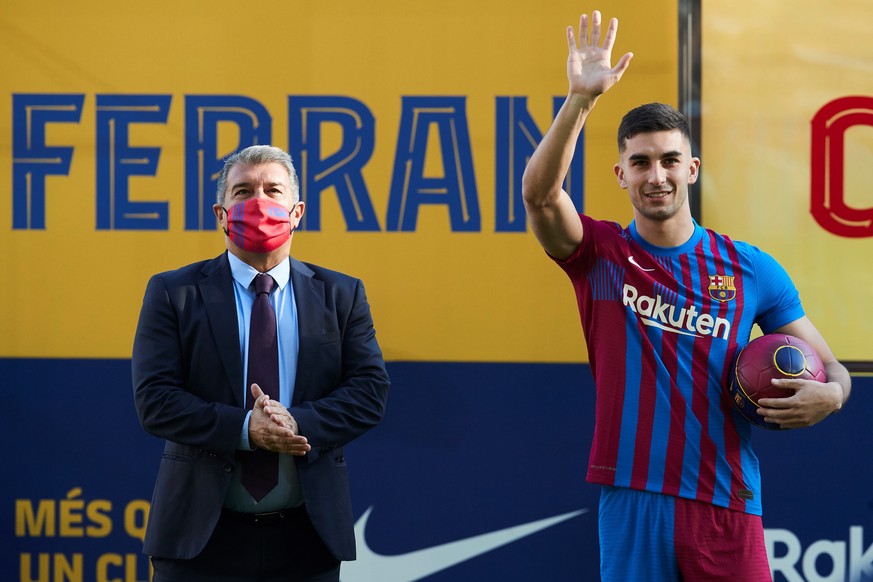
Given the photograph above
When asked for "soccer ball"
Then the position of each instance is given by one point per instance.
(774, 355)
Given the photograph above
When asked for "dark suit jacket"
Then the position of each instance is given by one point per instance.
(188, 379)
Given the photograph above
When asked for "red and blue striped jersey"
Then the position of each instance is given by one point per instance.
(662, 327)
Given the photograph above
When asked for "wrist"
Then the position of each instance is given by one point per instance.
(581, 101)
(840, 400)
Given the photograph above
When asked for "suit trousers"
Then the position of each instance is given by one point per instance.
(273, 547)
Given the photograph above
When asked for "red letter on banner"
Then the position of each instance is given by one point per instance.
(828, 205)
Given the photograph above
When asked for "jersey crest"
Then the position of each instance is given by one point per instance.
(721, 288)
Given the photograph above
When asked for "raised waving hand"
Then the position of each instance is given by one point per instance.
(589, 65)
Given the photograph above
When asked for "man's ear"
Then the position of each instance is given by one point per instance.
(619, 174)
(694, 171)
(297, 212)
(218, 211)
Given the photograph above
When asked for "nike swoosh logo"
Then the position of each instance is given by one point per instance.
(421, 563)
(654, 323)
(637, 265)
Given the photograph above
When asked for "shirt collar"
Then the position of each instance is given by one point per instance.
(244, 274)
(668, 251)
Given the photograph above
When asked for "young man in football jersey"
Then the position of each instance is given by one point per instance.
(665, 306)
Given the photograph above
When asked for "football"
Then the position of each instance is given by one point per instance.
(767, 357)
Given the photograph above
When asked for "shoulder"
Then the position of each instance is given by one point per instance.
(743, 249)
(601, 238)
(605, 226)
(319, 273)
(194, 272)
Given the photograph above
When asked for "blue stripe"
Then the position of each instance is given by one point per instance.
(718, 353)
(605, 280)
(631, 408)
(660, 434)
(684, 380)
(748, 460)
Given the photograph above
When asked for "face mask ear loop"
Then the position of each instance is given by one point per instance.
(291, 229)
(224, 228)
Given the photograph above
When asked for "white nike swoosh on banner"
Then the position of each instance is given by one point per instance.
(373, 567)
(637, 265)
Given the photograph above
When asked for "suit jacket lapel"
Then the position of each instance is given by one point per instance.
(309, 297)
(217, 291)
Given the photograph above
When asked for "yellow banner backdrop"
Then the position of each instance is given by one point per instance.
(787, 147)
(115, 116)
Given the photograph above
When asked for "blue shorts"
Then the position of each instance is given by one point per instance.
(661, 538)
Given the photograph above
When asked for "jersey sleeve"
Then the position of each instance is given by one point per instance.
(580, 262)
(779, 300)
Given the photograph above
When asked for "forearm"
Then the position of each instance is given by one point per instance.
(549, 164)
(181, 417)
(836, 372)
(169, 403)
(354, 400)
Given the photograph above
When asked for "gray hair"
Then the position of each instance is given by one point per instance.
(255, 156)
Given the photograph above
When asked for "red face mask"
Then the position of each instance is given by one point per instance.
(258, 225)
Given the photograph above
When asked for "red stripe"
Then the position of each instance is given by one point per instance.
(646, 416)
(674, 461)
(604, 448)
(731, 437)
(700, 404)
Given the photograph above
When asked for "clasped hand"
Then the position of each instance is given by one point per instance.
(272, 427)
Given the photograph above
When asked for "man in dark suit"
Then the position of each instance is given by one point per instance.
(253, 483)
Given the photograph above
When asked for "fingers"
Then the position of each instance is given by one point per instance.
(296, 445)
(771, 403)
(270, 436)
(261, 399)
(595, 28)
(593, 39)
(611, 32)
(809, 405)
(280, 415)
(622, 65)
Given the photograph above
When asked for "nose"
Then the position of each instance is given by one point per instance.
(259, 192)
(657, 175)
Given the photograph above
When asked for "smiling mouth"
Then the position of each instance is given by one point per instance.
(657, 195)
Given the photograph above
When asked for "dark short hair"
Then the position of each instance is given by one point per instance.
(649, 118)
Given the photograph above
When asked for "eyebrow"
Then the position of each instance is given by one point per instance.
(643, 157)
(249, 185)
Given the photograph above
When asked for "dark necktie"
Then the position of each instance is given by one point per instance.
(260, 468)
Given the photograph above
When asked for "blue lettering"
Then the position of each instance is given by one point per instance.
(516, 138)
(341, 170)
(331, 138)
(32, 159)
(117, 161)
(205, 116)
(456, 188)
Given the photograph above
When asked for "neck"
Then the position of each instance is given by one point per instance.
(261, 262)
(665, 233)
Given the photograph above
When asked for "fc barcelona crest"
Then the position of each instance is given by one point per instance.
(721, 288)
